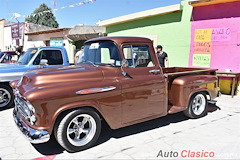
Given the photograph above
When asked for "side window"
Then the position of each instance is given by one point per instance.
(54, 57)
(137, 55)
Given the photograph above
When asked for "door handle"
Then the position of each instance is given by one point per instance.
(155, 71)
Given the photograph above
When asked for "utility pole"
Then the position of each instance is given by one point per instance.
(54, 2)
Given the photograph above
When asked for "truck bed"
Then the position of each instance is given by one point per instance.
(182, 70)
(174, 72)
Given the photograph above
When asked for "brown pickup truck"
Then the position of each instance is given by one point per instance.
(118, 80)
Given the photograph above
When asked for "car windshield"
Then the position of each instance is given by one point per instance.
(27, 56)
(101, 53)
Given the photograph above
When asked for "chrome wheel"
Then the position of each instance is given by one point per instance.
(5, 97)
(81, 130)
(199, 104)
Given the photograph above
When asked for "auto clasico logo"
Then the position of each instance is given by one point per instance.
(185, 154)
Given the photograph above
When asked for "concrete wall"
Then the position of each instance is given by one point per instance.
(8, 42)
(171, 30)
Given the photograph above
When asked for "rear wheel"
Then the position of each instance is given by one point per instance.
(197, 106)
(78, 130)
(6, 96)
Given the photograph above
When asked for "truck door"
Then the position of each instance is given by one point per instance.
(144, 89)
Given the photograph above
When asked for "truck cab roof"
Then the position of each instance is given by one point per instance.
(48, 47)
(121, 39)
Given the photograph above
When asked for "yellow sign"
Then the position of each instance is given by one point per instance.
(203, 35)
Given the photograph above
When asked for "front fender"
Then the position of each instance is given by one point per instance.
(54, 102)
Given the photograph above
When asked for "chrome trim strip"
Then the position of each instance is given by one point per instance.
(12, 74)
(95, 90)
(34, 136)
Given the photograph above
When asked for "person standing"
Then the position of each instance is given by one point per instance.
(162, 56)
(19, 51)
(79, 55)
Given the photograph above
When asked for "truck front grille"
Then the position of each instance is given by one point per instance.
(21, 106)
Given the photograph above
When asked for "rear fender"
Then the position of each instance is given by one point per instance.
(184, 87)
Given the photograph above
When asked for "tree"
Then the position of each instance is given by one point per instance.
(43, 16)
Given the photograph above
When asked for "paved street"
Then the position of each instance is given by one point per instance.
(216, 136)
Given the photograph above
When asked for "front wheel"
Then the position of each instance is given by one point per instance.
(197, 106)
(6, 96)
(78, 130)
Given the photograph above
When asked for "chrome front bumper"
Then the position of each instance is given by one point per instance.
(34, 136)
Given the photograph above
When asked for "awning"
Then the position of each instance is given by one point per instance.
(82, 32)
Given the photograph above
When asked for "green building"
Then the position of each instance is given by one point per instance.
(169, 26)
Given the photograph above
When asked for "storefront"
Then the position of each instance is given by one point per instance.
(215, 37)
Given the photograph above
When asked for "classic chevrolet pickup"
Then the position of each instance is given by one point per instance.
(119, 81)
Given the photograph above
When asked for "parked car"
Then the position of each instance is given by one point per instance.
(119, 81)
(33, 58)
(8, 57)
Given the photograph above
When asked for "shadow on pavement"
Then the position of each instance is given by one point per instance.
(6, 108)
(213, 107)
(108, 133)
(52, 147)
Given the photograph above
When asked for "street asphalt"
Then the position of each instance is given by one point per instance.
(215, 136)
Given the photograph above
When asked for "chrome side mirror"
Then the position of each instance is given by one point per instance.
(125, 63)
(43, 62)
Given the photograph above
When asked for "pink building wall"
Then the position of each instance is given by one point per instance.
(219, 49)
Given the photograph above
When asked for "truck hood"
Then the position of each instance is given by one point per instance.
(64, 75)
(10, 72)
(12, 67)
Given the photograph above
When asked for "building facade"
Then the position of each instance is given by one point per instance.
(215, 37)
(168, 26)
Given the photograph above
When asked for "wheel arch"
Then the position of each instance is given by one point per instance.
(64, 112)
(200, 90)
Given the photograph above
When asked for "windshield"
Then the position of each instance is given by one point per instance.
(101, 53)
(24, 60)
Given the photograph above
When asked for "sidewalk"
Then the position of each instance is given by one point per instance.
(169, 137)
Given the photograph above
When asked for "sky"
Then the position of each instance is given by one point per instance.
(88, 14)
